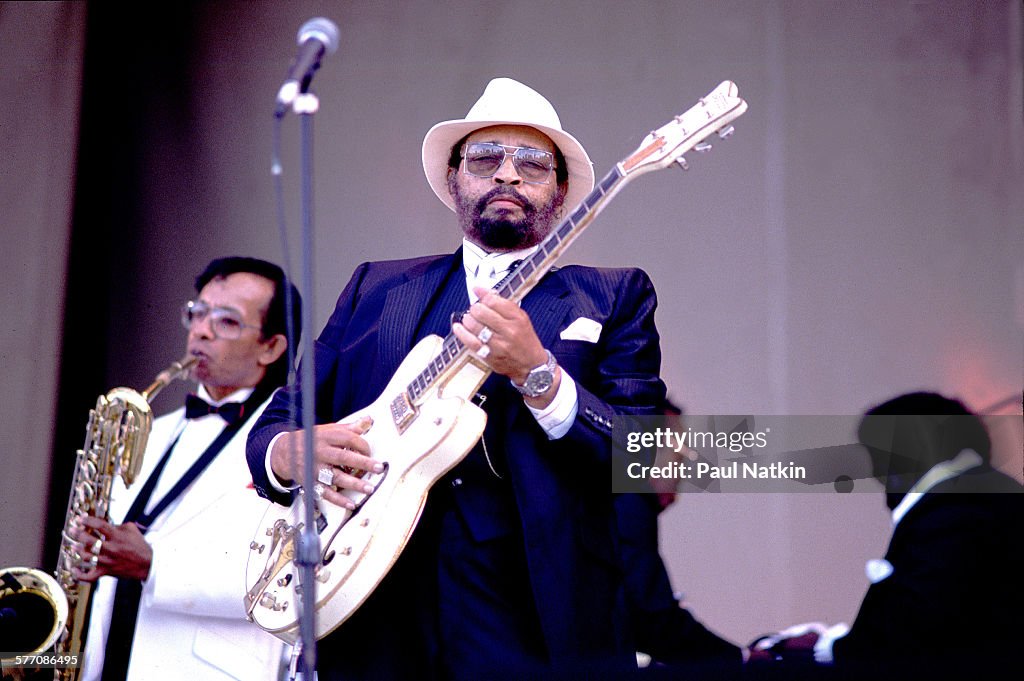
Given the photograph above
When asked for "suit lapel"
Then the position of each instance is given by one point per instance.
(197, 497)
(219, 478)
(548, 305)
(405, 306)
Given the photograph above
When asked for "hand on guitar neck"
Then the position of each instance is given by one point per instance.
(341, 458)
(513, 346)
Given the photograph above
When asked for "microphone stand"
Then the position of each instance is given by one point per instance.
(308, 548)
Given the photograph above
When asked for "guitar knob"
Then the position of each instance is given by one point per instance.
(681, 162)
(726, 132)
(702, 147)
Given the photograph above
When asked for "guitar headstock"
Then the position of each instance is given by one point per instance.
(666, 145)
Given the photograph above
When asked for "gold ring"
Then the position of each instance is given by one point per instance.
(318, 491)
(326, 475)
(483, 351)
(485, 335)
(96, 547)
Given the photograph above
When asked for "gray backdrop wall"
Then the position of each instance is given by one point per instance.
(40, 81)
(860, 236)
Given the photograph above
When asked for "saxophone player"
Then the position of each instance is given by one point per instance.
(170, 564)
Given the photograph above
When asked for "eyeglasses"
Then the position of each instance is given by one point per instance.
(224, 323)
(483, 159)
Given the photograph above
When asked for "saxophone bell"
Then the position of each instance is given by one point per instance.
(33, 610)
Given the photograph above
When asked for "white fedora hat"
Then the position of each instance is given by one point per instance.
(506, 102)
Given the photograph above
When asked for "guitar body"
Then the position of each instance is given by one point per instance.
(359, 547)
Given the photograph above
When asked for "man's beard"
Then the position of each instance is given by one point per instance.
(503, 233)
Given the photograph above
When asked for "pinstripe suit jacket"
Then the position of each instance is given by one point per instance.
(562, 487)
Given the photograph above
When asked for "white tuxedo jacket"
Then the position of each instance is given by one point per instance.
(191, 621)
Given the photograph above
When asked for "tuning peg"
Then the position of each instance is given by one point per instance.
(681, 162)
(702, 147)
(726, 132)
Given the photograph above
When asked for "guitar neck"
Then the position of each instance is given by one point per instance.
(532, 269)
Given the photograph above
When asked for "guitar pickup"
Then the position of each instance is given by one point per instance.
(402, 411)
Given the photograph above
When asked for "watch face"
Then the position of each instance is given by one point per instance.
(538, 383)
(540, 379)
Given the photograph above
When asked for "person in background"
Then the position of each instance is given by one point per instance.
(170, 565)
(946, 601)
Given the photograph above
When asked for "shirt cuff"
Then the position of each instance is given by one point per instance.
(557, 418)
(271, 475)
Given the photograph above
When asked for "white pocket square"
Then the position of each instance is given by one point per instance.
(582, 329)
(878, 569)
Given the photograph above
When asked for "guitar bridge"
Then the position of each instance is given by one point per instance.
(402, 411)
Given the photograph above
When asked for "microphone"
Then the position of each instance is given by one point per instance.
(317, 37)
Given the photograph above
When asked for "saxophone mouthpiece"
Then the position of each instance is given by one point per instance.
(186, 362)
(177, 370)
(180, 368)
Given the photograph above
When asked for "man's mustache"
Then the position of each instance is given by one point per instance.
(505, 192)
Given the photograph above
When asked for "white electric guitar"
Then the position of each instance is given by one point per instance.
(424, 423)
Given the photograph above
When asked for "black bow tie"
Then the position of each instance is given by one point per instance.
(196, 408)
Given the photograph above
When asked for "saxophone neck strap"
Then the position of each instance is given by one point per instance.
(137, 514)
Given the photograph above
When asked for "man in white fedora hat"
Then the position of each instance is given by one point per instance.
(512, 569)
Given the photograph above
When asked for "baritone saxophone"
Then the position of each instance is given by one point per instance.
(51, 612)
